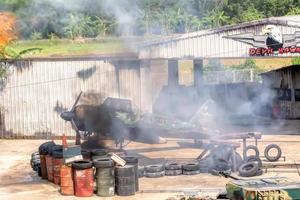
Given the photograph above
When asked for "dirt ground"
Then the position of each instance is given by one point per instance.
(18, 181)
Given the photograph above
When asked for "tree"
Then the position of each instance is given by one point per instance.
(7, 32)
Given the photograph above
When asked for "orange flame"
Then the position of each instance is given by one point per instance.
(7, 29)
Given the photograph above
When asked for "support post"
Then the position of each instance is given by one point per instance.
(198, 73)
(173, 73)
(146, 85)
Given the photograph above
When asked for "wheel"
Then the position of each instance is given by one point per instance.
(190, 167)
(103, 163)
(154, 174)
(154, 168)
(173, 166)
(173, 172)
(254, 159)
(252, 147)
(127, 170)
(272, 158)
(83, 164)
(195, 172)
(248, 169)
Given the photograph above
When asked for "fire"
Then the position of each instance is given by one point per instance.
(7, 29)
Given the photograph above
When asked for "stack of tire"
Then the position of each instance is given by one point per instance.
(125, 180)
(173, 169)
(99, 154)
(191, 168)
(35, 162)
(131, 160)
(253, 164)
(154, 171)
(105, 177)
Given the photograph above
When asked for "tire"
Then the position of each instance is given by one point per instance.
(248, 169)
(127, 170)
(154, 168)
(57, 154)
(130, 159)
(190, 167)
(222, 165)
(86, 153)
(83, 164)
(217, 173)
(128, 190)
(105, 173)
(103, 163)
(195, 172)
(272, 158)
(124, 181)
(239, 161)
(252, 147)
(173, 172)
(154, 174)
(43, 148)
(173, 166)
(259, 172)
(55, 148)
(141, 170)
(99, 152)
(254, 159)
(99, 157)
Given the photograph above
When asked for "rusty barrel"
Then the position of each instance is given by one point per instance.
(66, 180)
(83, 178)
(49, 166)
(57, 163)
(43, 151)
(43, 167)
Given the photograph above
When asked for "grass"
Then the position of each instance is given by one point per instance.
(64, 47)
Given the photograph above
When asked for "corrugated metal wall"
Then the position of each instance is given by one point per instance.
(209, 45)
(36, 92)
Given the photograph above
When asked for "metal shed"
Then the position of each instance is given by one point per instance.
(240, 41)
(285, 86)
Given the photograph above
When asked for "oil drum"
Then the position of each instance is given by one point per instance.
(105, 177)
(49, 164)
(83, 178)
(57, 163)
(43, 151)
(66, 180)
(125, 180)
(43, 167)
(131, 160)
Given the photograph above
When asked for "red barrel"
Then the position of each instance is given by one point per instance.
(57, 163)
(66, 180)
(49, 164)
(43, 167)
(83, 178)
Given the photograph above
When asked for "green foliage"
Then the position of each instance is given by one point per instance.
(91, 18)
(296, 61)
(36, 35)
